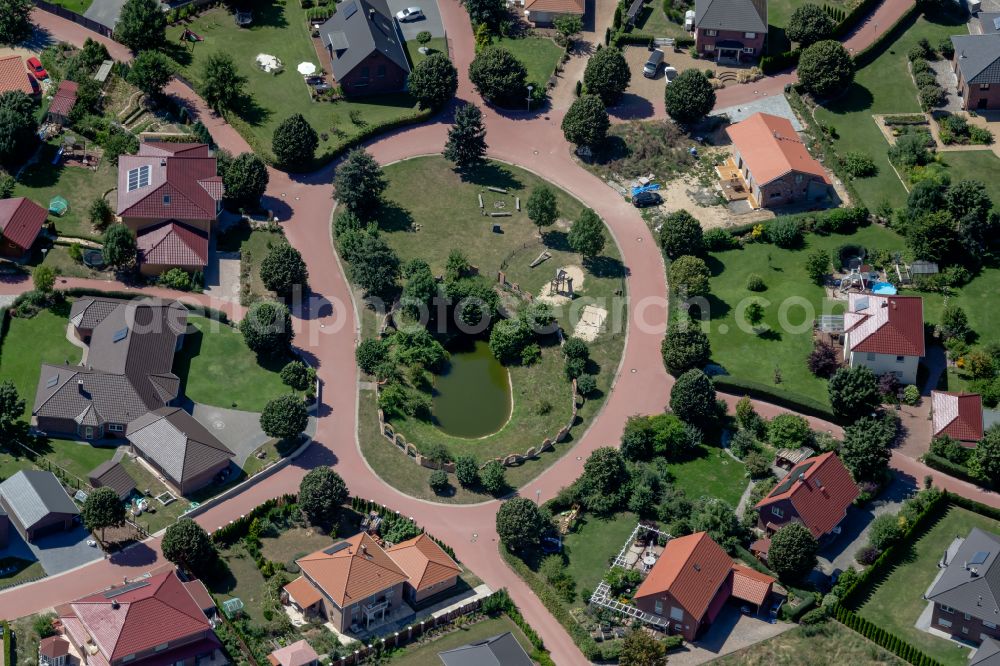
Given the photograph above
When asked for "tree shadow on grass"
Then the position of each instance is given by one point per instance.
(393, 217)
(251, 111)
(493, 175)
(771, 335)
(715, 267)
(179, 52)
(270, 15)
(857, 98)
(606, 267)
(556, 240)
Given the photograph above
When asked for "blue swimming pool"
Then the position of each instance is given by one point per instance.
(883, 289)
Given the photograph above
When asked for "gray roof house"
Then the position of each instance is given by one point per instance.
(128, 369)
(502, 650)
(366, 48)
(733, 15)
(977, 65)
(966, 594)
(179, 447)
(37, 503)
(988, 654)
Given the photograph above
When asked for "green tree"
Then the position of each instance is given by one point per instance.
(433, 81)
(283, 270)
(865, 451)
(298, 375)
(150, 72)
(43, 278)
(685, 347)
(985, 460)
(789, 431)
(718, 518)
(689, 97)
(100, 213)
(968, 198)
(284, 417)
(371, 353)
(376, 266)
(955, 324)
(854, 392)
(640, 649)
(223, 87)
(187, 545)
(793, 552)
(267, 329)
(498, 76)
(520, 524)
(15, 21)
(321, 494)
(681, 235)
(689, 276)
(493, 477)
(467, 471)
(360, 184)
(586, 123)
(809, 24)
(142, 25)
(507, 338)
(11, 411)
(420, 288)
(439, 482)
(884, 531)
(568, 26)
(586, 236)
(542, 207)
(294, 142)
(102, 509)
(933, 237)
(17, 127)
(490, 13)
(825, 68)
(402, 530)
(245, 181)
(607, 75)
(119, 246)
(692, 398)
(818, 266)
(466, 144)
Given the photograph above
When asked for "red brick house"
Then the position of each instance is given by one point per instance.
(367, 51)
(816, 493)
(543, 13)
(966, 593)
(958, 415)
(977, 65)
(774, 163)
(428, 568)
(691, 582)
(14, 76)
(172, 244)
(732, 30)
(21, 221)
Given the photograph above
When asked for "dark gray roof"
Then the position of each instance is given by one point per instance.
(31, 495)
(978, 57)
(990, 22)
(177, 443)
(502, 650)
(739, 15)
(354, 36)
(988, 654)
(89, 311)
(971, 581)
(112, 475)
(128, 369)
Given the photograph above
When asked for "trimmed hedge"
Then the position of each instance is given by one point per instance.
(974, 506)
(232, 532)
(501, 599)
(771, 64)
(775, 395)
(866, 55)
(882, 638)
(954, 469)
(8, 655)
(858, 13)
(632, 38)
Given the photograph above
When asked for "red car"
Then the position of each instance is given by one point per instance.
(36, 69)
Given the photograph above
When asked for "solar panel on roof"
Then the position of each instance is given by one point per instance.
(350, 9)
(336, 548)
(120, 335)
(111, 594)
(979, 557)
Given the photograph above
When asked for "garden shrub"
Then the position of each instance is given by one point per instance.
(718, 240)
(784, 232)
(931, 96)
(755, 282)
(860, 165)
(911, 395)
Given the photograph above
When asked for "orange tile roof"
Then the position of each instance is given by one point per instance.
(750, 585)
(424, 561)
(352, 570)
(771, 148)
(820, 489)
(691, 569)
(303, 592)
(13, 75)
(891, 325)
(555, 6)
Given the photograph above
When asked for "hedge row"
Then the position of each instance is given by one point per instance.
(501, 599)
(232, 532)
(866, 55)
(773, 394)
(771, 64)
(953, 469)
(633, 38)
(974, 506)
(8, 655)
(883, 638)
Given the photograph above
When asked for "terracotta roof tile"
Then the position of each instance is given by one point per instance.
(352, 569)
(172, 243)
(303, 592)
(53, 646)
(691, 569)
(183, 183)
(891, 325)
(958, 415)
(13, 75)
(21, 221)
(299, 653)
(820, 489)
(771, 148)
(64, 100)
(750, 585)
(423, 561)
(555, 6)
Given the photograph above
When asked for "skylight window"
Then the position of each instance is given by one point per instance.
(52, 381)
(138, 177)
(120, 335)
(980, 557)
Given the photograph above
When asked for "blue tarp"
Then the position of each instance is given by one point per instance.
(648, 188)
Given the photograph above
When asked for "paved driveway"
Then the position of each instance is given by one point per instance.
(731, 631)
(57, 552)
(105, 12)
(431, 23)
(238, 430)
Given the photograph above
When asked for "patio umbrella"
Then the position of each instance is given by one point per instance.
(306, 68)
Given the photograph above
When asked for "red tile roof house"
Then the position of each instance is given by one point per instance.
(153, 622)
(299, 653)
(816, 493)
(62, 102)
(428, 568)
(885, 333)
(692, 580)
(730, 30)
(774, 162)
(13, 76)
(170, 194)
(543, 13)
(958, 415)
(21, 220)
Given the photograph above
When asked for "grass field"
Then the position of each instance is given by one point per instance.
(253, 245)
(591, 544)
(540, 55)
(755, 357)
(42, 180)
(427, 654)
(832, 644)
(218, 369)
(25, 570)
(712, 474)
(279, 29)
(896, 602)
(652, 21)
(436, 45)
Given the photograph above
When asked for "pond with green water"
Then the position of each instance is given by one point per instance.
(472, 396)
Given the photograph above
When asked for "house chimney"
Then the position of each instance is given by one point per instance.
(163, 161)
(371, 13)
(115, 604)
(79, 385)
(697, 567)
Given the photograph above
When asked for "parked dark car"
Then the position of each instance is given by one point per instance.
(644, 199)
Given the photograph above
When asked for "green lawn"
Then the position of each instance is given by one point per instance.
(57, 258)
(436, 45)
(293, 542)
(975, 165)
(253, 245)
(712, 473)
(24, 570)
(652, 21)
(78, 6)
(832, 644)
(540, 55)
(896, 602)
(591, 545)
(884, 86)
(279, 29)
(77, 457)
(42, 180)
(755, 357)
(218, 369)
(426, 654)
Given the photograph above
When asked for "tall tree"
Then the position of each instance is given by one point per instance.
(433, 81)
(15, 21)
(142, 25)
(586, 123)
(489, 12)
(360, 183)
(825, 68)
(466, 145)
(542, 207)
(792, 554)
(187, 544)
(284, 417)
(985, 461)
(283, 270)
(245, 180)
(267, 329)
(17, 127)
(586, 236)
(420, 288)
(151, 72)
(809, 24)
(685, 347)
(640, 649)
(119, 246)
(692, 398)
(681, 234)
(499, 76)
(375, 266)
(854, 392)
(520, 524)
(222, 85)
(294, 142)
(689, 97)
(607, 75)
(11, 411)
(103, 509)
(321, 494)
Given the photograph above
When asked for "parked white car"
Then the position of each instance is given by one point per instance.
(669, 74)
(409, 14)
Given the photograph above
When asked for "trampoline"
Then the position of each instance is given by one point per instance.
(58, 205)
(93, 258)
